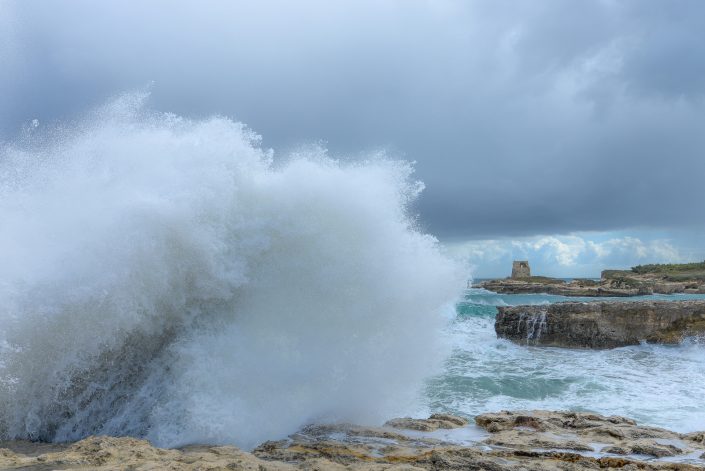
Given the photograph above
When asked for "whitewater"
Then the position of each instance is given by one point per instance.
(659, 385)
(169, 278)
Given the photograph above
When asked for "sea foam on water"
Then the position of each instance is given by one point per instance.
(165, 278)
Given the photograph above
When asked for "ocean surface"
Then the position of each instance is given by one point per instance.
(653, 384)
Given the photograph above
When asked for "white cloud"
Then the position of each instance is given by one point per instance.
(564, 250)
(566, 255)
(636, 250)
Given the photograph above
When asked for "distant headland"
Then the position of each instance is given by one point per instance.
(639, 280)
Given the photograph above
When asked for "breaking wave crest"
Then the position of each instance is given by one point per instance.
(164, 278)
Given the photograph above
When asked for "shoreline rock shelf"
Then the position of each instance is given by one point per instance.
(606, 324)
(517, 440)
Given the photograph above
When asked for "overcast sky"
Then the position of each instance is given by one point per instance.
(539, 127)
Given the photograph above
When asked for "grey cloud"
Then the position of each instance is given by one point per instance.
(523, 117)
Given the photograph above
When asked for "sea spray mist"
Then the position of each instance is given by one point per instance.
(161, 278)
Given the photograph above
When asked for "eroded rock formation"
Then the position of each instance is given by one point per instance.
(601, 324)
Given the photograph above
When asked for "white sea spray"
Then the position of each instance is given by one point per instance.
(162, 277)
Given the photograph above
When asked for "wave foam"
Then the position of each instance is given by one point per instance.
(162, 277)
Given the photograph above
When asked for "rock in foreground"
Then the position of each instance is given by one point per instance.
(536, 440)
(601, 324)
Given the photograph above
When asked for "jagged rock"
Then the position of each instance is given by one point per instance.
(698, 437)
(112, 453)
(436, 421)
(580, 431)
(668, 288)
(601, 324)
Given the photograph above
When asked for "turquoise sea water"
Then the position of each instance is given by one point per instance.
(654, 384)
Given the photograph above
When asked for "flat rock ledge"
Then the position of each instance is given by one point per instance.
(575, 288)
(435, 422)
(519, 440)
(612, 283)
(601, 324)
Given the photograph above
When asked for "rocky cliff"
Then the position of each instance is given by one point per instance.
(601, 324)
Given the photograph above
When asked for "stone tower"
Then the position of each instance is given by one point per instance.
(520, 269)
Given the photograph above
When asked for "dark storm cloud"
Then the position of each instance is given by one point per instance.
(523, 117)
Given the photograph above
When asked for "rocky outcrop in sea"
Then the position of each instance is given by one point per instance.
(606, 324)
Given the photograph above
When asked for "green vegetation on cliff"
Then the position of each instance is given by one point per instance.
(669, 268)
(677, 272)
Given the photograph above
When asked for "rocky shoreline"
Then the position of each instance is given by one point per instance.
(605, 324)
(520, 440)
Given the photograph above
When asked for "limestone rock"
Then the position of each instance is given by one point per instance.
(542, 285)
(435, 422)
(581, 431)
(113, 453)
(668, 288)
(521, 440)
(601, 324)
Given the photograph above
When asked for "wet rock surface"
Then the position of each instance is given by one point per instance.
(435, 422)
(594, 433)
(601, 324)
(523, 440)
